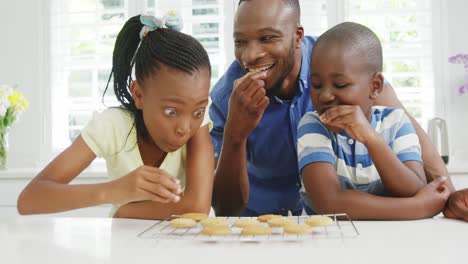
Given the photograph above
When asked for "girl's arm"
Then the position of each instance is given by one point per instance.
(49, 191)
(323, 189)
(198, 189)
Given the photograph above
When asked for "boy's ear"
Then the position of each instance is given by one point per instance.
(137, 94)
(377, 85)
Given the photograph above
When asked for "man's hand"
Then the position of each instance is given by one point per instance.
(457, 205)
(246, 105)
(351, 119)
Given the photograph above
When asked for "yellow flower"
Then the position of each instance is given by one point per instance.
(18, 101)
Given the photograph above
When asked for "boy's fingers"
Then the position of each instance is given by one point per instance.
(436, 184)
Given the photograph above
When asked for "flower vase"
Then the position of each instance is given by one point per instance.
(3, 149)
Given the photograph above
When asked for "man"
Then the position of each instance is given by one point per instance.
(255, 115)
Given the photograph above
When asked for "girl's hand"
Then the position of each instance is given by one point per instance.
(350, 119)
(145, 183)
(433, 197)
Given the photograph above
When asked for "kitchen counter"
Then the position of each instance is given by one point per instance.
(33, 239)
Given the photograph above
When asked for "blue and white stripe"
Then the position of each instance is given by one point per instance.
(351, 158)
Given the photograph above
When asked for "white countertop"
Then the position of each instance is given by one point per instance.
(104, 240)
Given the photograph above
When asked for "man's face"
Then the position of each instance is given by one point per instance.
(265, 36)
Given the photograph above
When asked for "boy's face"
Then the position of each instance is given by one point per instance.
(266, 36)
(173, 105)
(339, 76)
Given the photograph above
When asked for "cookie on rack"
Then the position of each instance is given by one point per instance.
(318, 220)
(195, 216)
(279, 222)
(266, 217)
(256, 230)
(182, 223)
(216, 231)
(214, 221)
(244, 222)
(298, 229)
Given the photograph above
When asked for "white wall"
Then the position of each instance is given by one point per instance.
(20, 64)
(23, 62)
(456, 107)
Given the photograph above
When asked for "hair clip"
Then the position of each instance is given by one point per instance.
(171, 20)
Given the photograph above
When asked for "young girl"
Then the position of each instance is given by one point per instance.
(156, 145)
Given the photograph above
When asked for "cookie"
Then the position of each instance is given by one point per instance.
(183, 223)
(279, 222)
(256, 230)
(195, 216)
(318, 220)
(266, 217)
(298, 229)
(244, 222)
(214, 221)
(216, 231)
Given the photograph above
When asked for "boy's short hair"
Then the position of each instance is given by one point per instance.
(359, 39)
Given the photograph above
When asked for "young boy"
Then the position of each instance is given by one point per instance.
(353, 157)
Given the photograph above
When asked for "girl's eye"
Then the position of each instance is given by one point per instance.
(170, 112)
(199, 113)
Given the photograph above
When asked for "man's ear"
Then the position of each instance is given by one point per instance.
(299, 36)
(377, 85)
(137, 93)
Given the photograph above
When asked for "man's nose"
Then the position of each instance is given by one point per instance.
(252, 53)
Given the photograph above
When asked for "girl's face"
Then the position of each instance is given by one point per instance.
(173, 105)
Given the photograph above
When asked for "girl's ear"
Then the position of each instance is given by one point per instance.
(377, 85)
(137, 94)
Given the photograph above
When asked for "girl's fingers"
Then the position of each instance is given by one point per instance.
(159, 191)
(162, 177)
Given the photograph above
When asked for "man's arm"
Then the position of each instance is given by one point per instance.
(433, 164)
(246, 106)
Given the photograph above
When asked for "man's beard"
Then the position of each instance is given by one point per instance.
(275, 90)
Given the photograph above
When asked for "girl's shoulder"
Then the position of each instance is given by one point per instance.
(109, 131)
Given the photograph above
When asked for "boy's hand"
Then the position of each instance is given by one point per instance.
(433, 197)
(246, 104)
(145, 183)
(457, 205)
(351, 119)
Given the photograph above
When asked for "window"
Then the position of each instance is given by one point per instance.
(83, 33)
(405, 30)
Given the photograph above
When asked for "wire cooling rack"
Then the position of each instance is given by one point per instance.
(342, 227)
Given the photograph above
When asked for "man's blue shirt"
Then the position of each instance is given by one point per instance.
(272, 163)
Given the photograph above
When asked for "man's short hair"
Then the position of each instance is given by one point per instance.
(293, 3)
(359, 39)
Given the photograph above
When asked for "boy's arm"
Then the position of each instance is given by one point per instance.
(198, 189)
(323, 188)
(434, 166)
(399, 179)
